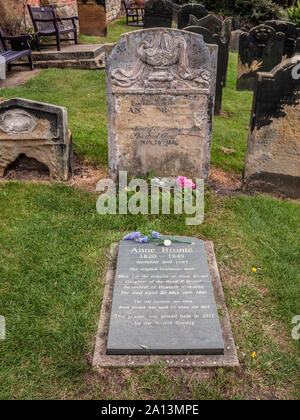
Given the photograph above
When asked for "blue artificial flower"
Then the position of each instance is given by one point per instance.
(156, 235)
(132, 236)
(143, 240)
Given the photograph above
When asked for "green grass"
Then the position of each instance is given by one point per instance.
(231, 130)
(114, 31)
(53, 254)
(53, 248)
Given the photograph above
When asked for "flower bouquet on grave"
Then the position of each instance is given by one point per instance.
(152, 237)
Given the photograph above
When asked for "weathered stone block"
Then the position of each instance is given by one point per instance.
(92, 17)
(160, 98)
(158, 14)
(235, 40)
(273, 156)
(39, 131)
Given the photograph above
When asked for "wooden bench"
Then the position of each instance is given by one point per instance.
(46, 23)
(20, 47)
(134, 15)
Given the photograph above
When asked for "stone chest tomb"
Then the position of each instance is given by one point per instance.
(160, 100)
(36, 130)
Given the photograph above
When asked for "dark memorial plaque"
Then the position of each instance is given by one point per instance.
(163, 301)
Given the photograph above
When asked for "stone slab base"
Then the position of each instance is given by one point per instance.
(81, 56)
(101, 359)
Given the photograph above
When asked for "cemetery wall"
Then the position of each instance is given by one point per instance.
(113, 9)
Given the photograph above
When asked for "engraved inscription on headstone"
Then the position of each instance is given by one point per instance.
(160, 98)
(163, 301)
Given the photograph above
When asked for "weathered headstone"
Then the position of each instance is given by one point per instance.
(210, 38)
(92, 17)
(160, 98)
(163, 301)
(216, 27)
(235, 40)
(260, 50)
(290, 32)
(190, 9)
(37, 130)
(273, 156)
(158, 13)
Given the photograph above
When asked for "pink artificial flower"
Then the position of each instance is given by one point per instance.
(183, 182)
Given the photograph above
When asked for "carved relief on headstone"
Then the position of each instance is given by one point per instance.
(273, 155)
(158, 14)
(260, 50)
(38, 131)
(290, 32)
(210, 38)
(196, 10)
(160, 94)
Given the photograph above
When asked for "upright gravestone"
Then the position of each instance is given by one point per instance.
(210, 38)
(160, 97)
(158, 14)
(190, 9)
(260, 50)
(216, 27)
(290, 32)
(163, 301)
(36, 130)
(273, 155)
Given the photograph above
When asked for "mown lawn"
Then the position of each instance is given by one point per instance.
(53, 248)
(83, 93)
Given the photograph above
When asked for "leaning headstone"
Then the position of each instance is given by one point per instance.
(273, 156)
(260, 50)
(210, 38)
(37, 130)
(158, 13)
(163, 301)
(160, 98)
(290, 32)
(190, 9)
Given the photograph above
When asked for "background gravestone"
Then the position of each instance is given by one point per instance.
(36, 130)
(210, 38)
(273, 155)
(290, 32)
(92, 17)
(160, 98)
(221, 28)
(260, 49)
(158, 13)
(190, 9)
